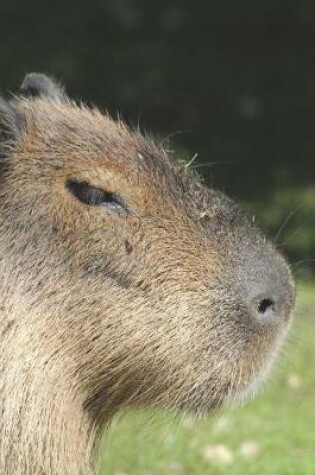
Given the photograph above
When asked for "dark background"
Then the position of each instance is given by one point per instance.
(234, 81)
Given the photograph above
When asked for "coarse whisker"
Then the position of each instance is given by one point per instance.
(173, 134)
(210, 164)
(191, 161)
(285, 222)
(296, 231)
(302, 261)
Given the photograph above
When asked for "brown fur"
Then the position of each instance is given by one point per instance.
(100, 311)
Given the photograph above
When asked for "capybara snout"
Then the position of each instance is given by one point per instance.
(134, 283)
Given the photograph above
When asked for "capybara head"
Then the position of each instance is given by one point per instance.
(148, 287)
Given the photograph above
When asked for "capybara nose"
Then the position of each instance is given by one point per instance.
(271, 301)
(269, 289)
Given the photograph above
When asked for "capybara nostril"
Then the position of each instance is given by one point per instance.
(266, 305)
(263, 307)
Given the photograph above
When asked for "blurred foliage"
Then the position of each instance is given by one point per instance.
(289, 215)
(234, 81)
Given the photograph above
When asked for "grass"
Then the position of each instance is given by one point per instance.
(273, 435)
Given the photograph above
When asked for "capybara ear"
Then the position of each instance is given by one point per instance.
(11, 127)
(40, 85)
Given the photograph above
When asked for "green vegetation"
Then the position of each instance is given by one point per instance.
(273, 436)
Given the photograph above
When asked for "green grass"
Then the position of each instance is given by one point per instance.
(278, 429)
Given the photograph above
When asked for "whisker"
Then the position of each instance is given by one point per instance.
(302, 261)
(295, 232)
(167, 137)
(191, 161)
(285, 222)
(307, 221)
(210, 164)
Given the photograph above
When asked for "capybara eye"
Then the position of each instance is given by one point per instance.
(92, 196)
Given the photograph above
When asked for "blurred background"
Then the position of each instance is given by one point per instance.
(233, 82)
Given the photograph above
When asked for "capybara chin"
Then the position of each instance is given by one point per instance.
(125, 281)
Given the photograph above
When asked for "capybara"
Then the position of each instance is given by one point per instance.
(125, 282)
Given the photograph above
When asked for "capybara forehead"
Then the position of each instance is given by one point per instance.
(71, 138)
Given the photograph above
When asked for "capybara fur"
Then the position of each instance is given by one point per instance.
(125, 282)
